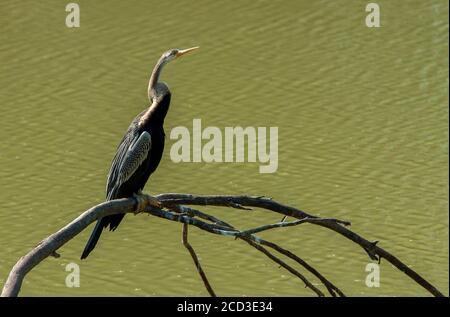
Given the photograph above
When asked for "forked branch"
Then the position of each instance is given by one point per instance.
(172, 207)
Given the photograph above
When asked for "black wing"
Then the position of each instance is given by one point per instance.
(132, 152)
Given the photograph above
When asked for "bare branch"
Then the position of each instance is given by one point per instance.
(330, 286)
(196, 213)
(375, 252)
(196, 261)
(290, 224)
(168, 206)
(253, 241)
(286, 266)
(53, 242)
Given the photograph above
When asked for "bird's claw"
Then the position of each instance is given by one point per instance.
(140, 202)
(143, 201)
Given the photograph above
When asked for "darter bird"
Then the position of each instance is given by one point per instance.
(140, 150)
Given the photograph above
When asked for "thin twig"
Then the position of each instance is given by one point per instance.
(286, 266)
(184, 218)
(290, 224)
(330, 286)
(374, 251)
(195, 212)
(196, 261)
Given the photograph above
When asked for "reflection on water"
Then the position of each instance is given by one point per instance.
(363, 135)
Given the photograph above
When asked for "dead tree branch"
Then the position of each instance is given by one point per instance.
(373, 250)
(196, 261)
(171, 207)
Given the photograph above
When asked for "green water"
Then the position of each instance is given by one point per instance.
(363, 135)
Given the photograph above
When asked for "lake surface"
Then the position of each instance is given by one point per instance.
(363, 136)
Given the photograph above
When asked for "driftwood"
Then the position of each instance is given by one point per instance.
(173, 207)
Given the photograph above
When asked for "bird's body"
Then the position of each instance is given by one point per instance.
(136, 181)
(140, 151)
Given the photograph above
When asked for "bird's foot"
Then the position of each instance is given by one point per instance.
(143, 201)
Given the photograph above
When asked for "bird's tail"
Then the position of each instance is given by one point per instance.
(95, 235)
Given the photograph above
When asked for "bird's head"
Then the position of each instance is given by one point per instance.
(155, 88)
(175, 53)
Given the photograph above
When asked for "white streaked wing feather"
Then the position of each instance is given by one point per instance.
(136, 154)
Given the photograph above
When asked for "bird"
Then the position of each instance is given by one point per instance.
(140, 150)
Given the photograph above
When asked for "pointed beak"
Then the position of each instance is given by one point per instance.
(182, 52)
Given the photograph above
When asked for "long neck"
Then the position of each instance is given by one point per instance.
(154, 78)
(156, 113)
